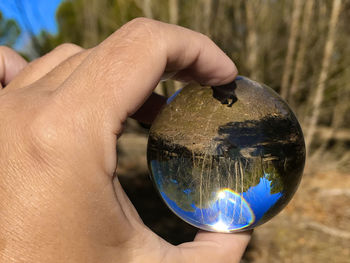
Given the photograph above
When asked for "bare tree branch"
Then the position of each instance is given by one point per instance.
(329, 230)
(335, 192)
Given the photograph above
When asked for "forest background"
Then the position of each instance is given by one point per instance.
(299, 48)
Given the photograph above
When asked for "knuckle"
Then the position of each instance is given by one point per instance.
(68, 48)
(34, 126)
(6, 49)
(141, 27)
(204, 38)
(41, 139)
(140, 22)
(42, 131)
(39, 125)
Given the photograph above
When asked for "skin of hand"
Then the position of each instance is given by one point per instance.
(60, 117)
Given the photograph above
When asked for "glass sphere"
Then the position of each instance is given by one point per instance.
(226, 158)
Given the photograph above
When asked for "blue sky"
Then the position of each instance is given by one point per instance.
(40, 15)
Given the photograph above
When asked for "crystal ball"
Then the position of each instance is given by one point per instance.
(226, 158)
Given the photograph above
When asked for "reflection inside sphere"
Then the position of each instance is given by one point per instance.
(225, 211)
(226, 158)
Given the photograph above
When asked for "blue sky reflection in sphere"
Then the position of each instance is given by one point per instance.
(228, 211)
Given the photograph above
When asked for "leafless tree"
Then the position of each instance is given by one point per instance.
(294, 30)
(321, 84)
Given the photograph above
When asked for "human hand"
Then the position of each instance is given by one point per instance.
(60, 118)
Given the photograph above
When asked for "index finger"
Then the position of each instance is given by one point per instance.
(119, 74)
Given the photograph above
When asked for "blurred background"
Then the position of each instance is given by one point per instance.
(299, 48)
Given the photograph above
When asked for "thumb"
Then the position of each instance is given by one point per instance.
(215, 247)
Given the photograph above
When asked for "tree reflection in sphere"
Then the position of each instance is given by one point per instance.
(226, 158)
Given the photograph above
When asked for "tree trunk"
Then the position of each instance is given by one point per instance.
(90, 21)
(328, 50)
(147, 8)
(173, 19)
(173, 11)
(252, 40)
(300, 60)
(202, 16)
(207, 8)
(294, 29)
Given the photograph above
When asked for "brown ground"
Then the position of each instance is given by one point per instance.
(314, 227)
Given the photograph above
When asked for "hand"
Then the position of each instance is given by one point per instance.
(60, 118)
